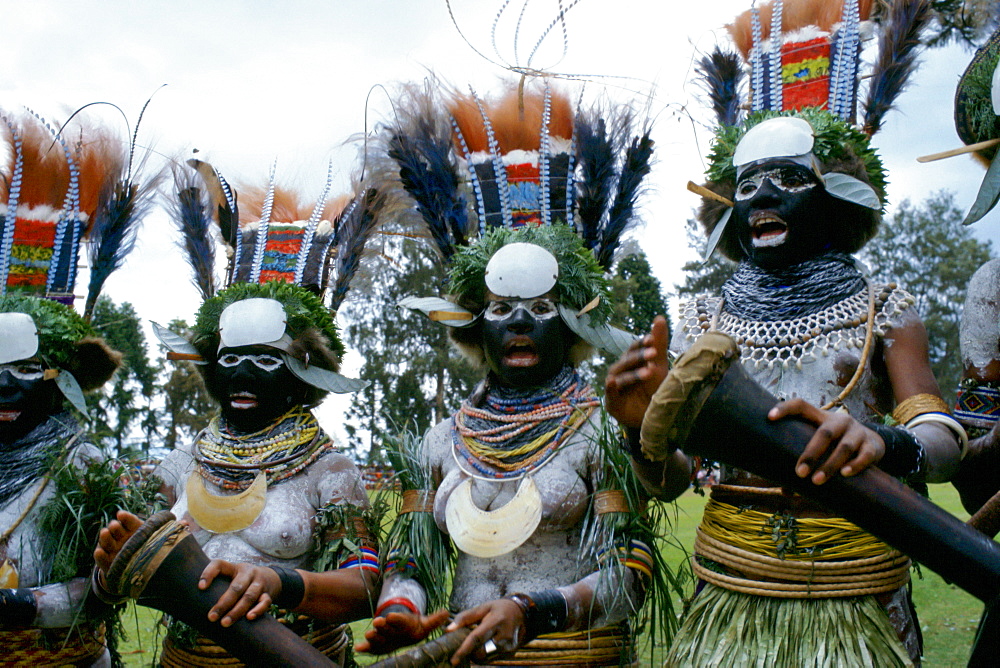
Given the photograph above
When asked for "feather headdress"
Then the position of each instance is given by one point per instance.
(977, 120)
(279, 248)
(524, 159)
(803, 58)
(63, 190)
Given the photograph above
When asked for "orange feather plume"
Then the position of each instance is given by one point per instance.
(287, 206)
(795, 14)
(516, 119)
(99, 156)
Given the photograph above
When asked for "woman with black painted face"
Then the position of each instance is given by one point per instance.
(840, 351)
(58, 203)
(265, 490)
(510, 477)
(38, 437)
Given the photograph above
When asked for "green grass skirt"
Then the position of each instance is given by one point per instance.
(727, 628)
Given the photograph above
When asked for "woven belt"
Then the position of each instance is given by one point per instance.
(734, 550)
(605, 646)
(83, 644)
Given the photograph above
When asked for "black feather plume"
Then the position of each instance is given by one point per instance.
(353, 232)
(896, 60)
(635, 168)
(122, 206)
(193, 218)
(595, 156)
(430, 177)
(721, 74)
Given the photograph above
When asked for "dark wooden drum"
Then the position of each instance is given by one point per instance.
(160, 566)
(708, 406)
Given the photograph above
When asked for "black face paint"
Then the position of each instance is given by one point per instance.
(26, 399)
(525, 341)
(253, 386)
(782, 214)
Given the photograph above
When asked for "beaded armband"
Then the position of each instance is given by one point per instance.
(398, 604)
(365, 558)
(544, 612)
(977, 406)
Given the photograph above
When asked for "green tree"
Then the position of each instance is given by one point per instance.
(637, 293)
(187, 405)
(127, 403)
(927, 251)
(637, 298)
(417, 378)
(703, 276)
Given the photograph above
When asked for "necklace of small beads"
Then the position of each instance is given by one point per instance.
(571, 407)
(282, 450)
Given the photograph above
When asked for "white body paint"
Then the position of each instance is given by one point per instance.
(979, 332)
(58, 604)
(549, 558)
(282, 534)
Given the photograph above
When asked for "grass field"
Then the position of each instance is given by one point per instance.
(948, 615)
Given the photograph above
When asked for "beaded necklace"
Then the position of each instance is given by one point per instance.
(516, 432)
(231, 461)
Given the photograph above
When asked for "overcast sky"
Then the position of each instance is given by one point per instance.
(248, 83)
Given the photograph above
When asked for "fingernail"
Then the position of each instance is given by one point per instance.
(819, 478)
(846, 471)
(802, 470)
(212, 616)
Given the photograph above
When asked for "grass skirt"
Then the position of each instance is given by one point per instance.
(727, 628)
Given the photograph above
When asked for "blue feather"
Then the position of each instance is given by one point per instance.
(354, 230)
(595, 155)
(193, 217)
(116, 222)
(635, 168)
(896, 58)
(431, 179)
(721, 75)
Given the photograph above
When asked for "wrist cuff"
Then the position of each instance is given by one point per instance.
(293, 588)
(544, 611)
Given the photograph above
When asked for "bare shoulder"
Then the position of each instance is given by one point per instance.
(437, 445)
(335, 478)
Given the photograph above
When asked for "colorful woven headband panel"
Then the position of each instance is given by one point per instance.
(806, 57)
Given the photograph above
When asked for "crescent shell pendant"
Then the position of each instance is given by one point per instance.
(491, 533)
(224, 514)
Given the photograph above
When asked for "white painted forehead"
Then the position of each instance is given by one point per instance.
(783, 137)
(18, 337)
(252, 322)
(521, 270)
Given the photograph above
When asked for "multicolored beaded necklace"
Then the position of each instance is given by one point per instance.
(231, 461)
(517, 431)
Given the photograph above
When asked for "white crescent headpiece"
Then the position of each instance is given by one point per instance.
(18, 337)
(521, 270)
(254, 322)
(783, 137)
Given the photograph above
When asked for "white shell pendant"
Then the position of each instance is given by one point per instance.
(491, 533)
(224, 514)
